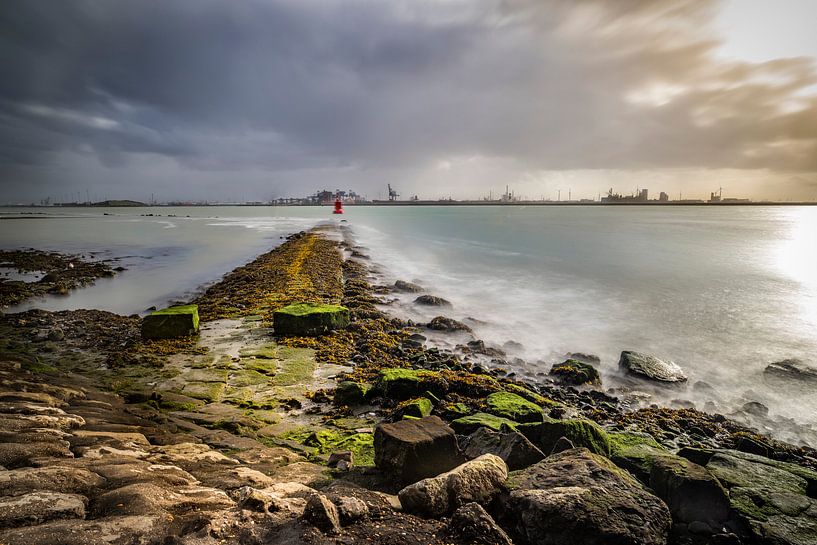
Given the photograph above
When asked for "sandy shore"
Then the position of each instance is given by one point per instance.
(230, 435)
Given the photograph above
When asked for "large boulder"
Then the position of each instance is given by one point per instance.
(792, 369)
(410, 287)
(410, 450)
(171, 322)
(635, 452)
(770, 500)
(432, 301)
(513, 407)
(309, 319)
(582, 433)
(514, 448)
(649, 367)
(690, 491)
(479, 481)
(575, 373)
(581, 498)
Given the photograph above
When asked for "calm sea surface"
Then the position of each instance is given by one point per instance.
(722, 291)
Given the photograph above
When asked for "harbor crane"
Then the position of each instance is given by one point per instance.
(393, 194)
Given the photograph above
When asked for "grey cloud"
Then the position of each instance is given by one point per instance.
(283, 85)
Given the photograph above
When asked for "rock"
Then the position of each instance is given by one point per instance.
(479, 480)
(514, 448)
(416, 408)
(309, 319)
(252, 499)
(39, 507)
(441, 323)
(13, 455)
(56, 334)
(336, 458)
(401, 384)
(171, 323)
(513, 407)
(469, 424)
(582, 433)
(650, 367)
(733, 471)
(776, 517)
(755, 408)
(351, 393)
(108, 531)
(575, 373)
(49, 479)
(473, 524)
(636, 453)
(752, 446)
(322, 514)
(791, 369)
(690, 491)
(432, 301)
(562, 445)
(410, 450)
(581, 498)
(590, 359)
(409, 287)
(351, 509)
(150, 499)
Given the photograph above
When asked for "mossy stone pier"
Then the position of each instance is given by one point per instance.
(171, 323)
(309, 319)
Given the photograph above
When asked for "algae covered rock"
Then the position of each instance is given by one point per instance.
(575, 373)
(469, 424)
(582, 433)
(635, 452)
(410, 450)
(690, 491)
(401, 384)
(309, 319)
(514, 407)
(171, 322)
(416, 408)
(649, 367)
(351, 393)
(581, 498)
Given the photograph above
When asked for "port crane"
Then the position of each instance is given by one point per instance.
(392, 193)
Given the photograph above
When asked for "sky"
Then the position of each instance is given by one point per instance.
(235, 101)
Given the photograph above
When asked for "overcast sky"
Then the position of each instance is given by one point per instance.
(250, 100)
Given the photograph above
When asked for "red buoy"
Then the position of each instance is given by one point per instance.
(338, 207)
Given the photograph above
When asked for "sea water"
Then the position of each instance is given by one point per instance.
(721, 291)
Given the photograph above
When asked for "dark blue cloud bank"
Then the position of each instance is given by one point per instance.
(210, 98)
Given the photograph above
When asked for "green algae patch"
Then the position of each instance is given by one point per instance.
(530, 396)
(309, 319)
(207, 391)
(469, 424)
(415, 408)
(513, 407)
(582, 433)
(266, 367)
(247, 377)
(206, 375)
(171, 323)
(635, 452)
(327, 441)
(401, 384)
(295, 366)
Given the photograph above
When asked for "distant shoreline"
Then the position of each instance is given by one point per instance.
(433, 203)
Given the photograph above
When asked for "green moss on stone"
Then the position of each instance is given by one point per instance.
(529, 395)
(171, 323)
(296, 366)
(513, 407)
(469, 424)
(351, 393)
(309, 319)
(207, 391)
(635, 453)
(247, 377)
(417, 408)
(327, 441)
(582, 433)
(401, 384)
(576, 373)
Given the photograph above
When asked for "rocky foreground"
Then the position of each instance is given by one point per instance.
(364, 435)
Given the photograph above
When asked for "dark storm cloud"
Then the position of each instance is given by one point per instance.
(281, 85)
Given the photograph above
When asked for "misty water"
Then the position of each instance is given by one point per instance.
(722, 291)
